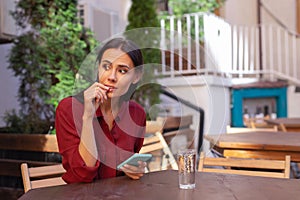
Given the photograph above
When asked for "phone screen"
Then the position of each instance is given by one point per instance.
(133, 160)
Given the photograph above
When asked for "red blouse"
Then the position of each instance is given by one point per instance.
(114, 146)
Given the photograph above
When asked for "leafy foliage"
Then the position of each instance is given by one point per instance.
(47, 56)
(67, 44)
(18, 123)
(145, 10)
(180, 7)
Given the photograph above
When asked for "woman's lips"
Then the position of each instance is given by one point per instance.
(110, 88)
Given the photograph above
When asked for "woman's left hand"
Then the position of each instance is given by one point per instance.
(133, 171)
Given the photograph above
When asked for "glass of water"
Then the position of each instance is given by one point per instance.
(186, 159)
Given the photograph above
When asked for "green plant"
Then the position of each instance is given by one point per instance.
(19, 123)
(65, 49)
(47, 56)
(13, 122)
(178, 8)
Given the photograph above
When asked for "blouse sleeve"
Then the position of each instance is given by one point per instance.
(68, 138)
(139, 142)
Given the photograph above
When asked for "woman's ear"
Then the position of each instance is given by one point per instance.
(138, 71)
(137, 77)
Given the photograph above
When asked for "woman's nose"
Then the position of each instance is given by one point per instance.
(112, 76)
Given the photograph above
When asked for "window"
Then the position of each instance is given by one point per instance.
(162, 5)
(81, 14)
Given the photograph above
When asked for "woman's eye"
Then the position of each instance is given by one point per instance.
(106, 66)
(123, 71)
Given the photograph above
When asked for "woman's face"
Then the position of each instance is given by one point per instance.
(116, 70)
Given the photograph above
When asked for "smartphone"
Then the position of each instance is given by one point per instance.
(133, 160)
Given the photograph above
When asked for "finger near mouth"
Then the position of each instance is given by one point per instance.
(111, 89)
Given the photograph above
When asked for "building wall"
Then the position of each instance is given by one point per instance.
(119, 6)
(293, 99)
(240, 12)
(284, 10)
(8, 85)
(99, 13)
(244, 12)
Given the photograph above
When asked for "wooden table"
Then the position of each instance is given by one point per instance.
(258, 144)
(164, 185)
(286, 124)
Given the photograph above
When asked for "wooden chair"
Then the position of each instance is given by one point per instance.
(260, 124)
(177, 129)
(242, 166)
(230, 129)
(154, 141)
(43, 176)
(282, 127)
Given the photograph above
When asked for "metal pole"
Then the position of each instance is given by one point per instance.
(259, 35)
(197, 108)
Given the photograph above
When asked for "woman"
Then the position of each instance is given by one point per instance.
(99, 128)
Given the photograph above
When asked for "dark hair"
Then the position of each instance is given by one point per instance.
(127, 46)
(132, 50)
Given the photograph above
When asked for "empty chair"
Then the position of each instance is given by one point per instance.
(154, 141)
(44, 176)
(242, 166)
(260, 123)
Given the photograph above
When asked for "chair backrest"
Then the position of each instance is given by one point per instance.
(230, 129)
(242, 166)
(154, 141)
(282, 127)
(178, 132)
(43, 176)
(259, 123)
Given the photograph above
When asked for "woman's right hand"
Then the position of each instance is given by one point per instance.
(93, 97)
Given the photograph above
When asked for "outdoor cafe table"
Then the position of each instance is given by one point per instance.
(290, 124)
(258, 144)
(163, 185)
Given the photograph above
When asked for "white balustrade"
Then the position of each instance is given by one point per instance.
(202, 43)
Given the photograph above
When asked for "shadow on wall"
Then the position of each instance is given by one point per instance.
(9, 85)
